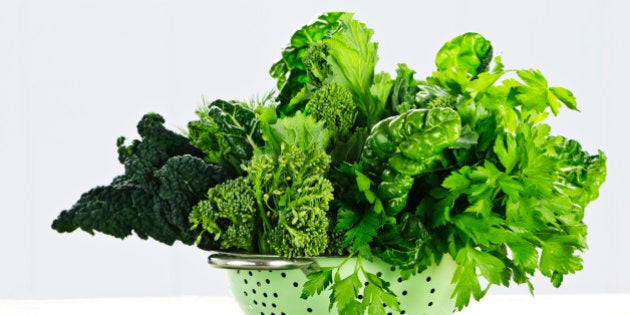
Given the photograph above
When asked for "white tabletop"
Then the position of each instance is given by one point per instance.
(605, 304)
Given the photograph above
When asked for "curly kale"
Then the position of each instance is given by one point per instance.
(184, 180)
(164, 176)
(229, 214)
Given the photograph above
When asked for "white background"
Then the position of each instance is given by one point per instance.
(75, 75)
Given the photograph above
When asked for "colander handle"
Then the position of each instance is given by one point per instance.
(226, 260)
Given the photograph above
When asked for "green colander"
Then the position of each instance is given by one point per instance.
(270, 285)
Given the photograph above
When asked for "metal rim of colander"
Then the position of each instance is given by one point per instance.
(240, 261)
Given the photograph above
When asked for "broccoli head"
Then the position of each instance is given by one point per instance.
(293, 195)
(228, 214)
(334, 105)
(442, 101)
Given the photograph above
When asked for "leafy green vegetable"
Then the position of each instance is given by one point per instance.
(162, 181)
(227, 132)
(404, 90)
(461, 59)
(290, 71)
(461, 163)
(229, 214)
(316, 64)
(334, 105)
(407, 145)
(281, 205)
(352, 57)
(291, 190)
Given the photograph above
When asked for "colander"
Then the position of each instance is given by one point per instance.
(271, 285)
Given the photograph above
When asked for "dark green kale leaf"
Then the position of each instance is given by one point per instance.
(161, 183)
(183, 181)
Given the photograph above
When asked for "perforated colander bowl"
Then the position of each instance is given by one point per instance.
(270, 285)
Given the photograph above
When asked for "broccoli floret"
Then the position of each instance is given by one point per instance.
(164, 176)
(317, 67)
(442, 101)
(228, 214)
(293, 195)
(280, 207)
(334, 105)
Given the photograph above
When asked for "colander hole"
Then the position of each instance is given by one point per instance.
(283, 313)
(245, 292)
(258, 284)
(265, 294)
(262, 313)
(250, 273)
(384, 305)
(255, 302)
(295, 284)
(400, 280)
(366, 283)
(428, 279)
(284, 275)
(430, 303)
(273, 305)
(392, 268)
(360, 297)
(267, 281)
(402, 312)
(390, 313)
(275, 295)
(245, 280)
(254, 291)
(264, 304)
(433, 290)
(404, 293)
(310, 310)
